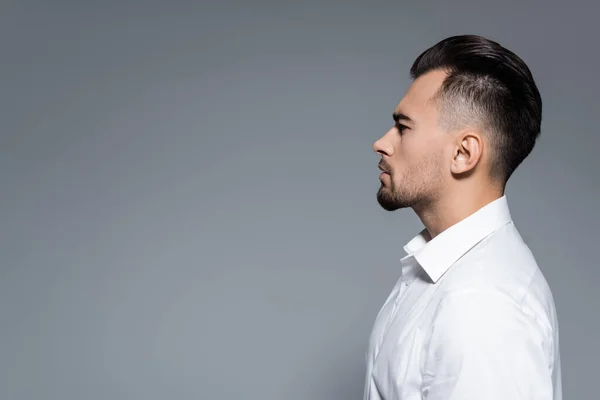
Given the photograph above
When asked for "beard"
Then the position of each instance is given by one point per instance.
(414, 188)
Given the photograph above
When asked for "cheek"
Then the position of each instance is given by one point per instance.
(419, 162)
(427, 147)
(409, 154)
(398, 166)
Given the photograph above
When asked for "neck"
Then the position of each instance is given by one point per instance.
(446, 212)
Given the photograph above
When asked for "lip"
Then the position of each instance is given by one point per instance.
(379, 166)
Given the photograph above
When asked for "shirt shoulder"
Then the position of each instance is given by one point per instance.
(502, 266)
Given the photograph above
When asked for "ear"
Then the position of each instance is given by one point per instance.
(467, 152)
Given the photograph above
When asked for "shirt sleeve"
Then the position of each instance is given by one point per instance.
(483, 346)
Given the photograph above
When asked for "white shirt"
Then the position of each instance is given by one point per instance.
(471, 318)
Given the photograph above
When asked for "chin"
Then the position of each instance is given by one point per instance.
(392, 207)
(387, 202)
(390, 201)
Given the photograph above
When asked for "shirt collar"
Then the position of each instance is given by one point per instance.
(437, 255)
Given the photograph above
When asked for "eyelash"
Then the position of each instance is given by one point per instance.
(400, 127)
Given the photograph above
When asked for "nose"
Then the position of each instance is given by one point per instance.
(382, 146)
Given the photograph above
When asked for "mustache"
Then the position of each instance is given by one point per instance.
(384, 167)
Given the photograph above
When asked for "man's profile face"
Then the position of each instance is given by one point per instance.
(412, 152)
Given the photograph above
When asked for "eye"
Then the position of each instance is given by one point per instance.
(401, 127)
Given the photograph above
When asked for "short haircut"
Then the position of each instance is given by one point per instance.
(491, 87)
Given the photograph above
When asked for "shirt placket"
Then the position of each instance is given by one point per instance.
(408, 276)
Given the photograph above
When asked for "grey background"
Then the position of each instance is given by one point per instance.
(188, 190)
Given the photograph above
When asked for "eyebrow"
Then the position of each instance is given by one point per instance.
(399, 116)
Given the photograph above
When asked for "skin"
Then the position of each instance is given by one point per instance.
(442, 174)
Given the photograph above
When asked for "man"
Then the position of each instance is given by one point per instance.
(472, 317)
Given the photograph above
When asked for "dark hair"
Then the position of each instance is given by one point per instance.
(491, 85)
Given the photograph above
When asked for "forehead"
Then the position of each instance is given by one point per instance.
(418, 98)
